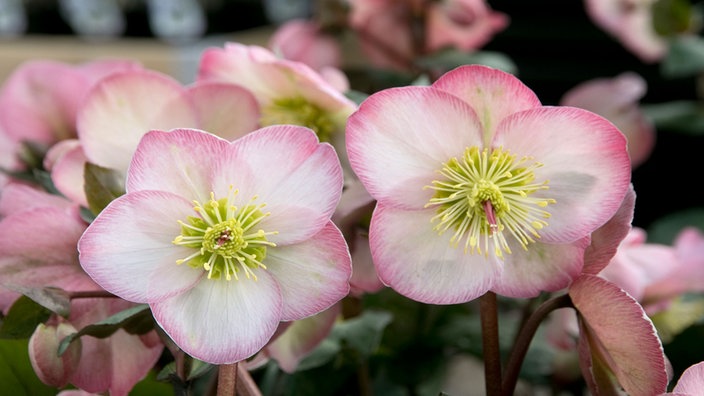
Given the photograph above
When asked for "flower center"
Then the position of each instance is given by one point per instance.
(225, 238)
(299, 111)
(487, 195)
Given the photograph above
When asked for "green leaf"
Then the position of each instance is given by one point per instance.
(135, 320)
(198, 368)
(685, 57)
(325, 352)
(363, 333)
(151, 386)
(16, 374)
(665, 229)
(23, 318)
(102, 186)
(52, 298)
(451, 58)
(681, 116)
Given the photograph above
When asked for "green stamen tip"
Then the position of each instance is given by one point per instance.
(299, 111)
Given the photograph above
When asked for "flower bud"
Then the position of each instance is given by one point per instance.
(51, 368)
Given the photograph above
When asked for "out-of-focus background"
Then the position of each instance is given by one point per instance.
(553, 43)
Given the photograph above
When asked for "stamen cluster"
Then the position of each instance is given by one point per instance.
(225, 238)
(485, 194)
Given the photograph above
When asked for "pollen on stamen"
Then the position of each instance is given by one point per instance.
(224, 237)
(487, 195)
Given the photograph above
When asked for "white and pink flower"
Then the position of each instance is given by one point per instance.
(479, 187)
(224, 240)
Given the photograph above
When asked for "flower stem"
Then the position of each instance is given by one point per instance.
(246, 386)
(91, 294)
(525, 335)
(488, 312)
(227, 379)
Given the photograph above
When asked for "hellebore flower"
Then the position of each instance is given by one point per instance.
(224, 240)
(125, 106)
(303, 41)
(288, 92)
(631, 23)
(616, 99)
(115, 363)
(480, 188)
(39, 103)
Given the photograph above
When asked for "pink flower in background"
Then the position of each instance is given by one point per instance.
(394, 33)
(618, 345)
(112, 364)
(125, 106)
(257, 248)
(616, 99)
(287, 92)
(39, 102)
(464, 24)
(303, 41)
(480, 188)
(630, 22)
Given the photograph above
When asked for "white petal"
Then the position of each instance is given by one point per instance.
(415, 261)
(222, 321)
(128, 248)
(399, 138)
(313, 274)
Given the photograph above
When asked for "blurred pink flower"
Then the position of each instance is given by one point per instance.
(220, 276)
(302, 41)
(630, 22)
(616, 99)
(618, 345)
(39, 101)
(463, 24)
(456, 157)
(394, 33)
(112, 364)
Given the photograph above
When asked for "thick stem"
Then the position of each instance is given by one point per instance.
(488, 312)
(525, 335)
(227, 379)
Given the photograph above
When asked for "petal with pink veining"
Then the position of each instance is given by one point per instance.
(314, 274)
(621, 338)
(128, 248)
(415, 261)
(222, 322)
(399, 139)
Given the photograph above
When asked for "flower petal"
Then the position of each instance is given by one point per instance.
(179, 161)
(225, 110)
(692, 381)
(585, 161)
(400, 137)
(415, 261)
(617, 328)
(301, 337)
(67, 174)
(284, 166)
(220, 321)
(123, 107)
(606, 239)
(492, 93)
(128, 248)
(543, 267)
(313, 274)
